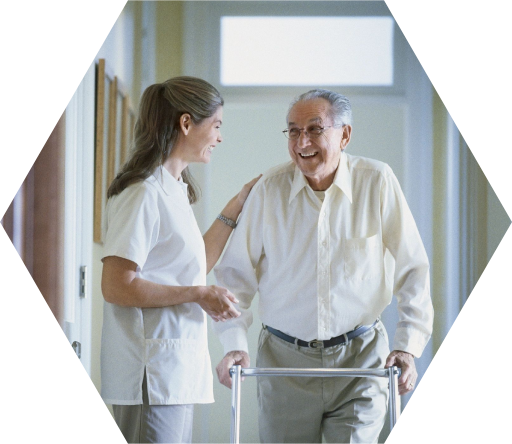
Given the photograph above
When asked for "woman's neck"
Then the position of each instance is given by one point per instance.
(175, 166)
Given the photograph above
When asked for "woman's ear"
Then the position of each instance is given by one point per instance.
(185, 123)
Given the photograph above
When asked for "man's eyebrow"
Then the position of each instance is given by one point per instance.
(312, 120)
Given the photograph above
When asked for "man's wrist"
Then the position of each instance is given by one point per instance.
(233, 339)
(237, 352)
(403, 351)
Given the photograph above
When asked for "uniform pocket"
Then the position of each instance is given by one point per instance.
(363, 258)
(178, 371)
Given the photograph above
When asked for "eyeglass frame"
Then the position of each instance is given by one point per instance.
(323, 128)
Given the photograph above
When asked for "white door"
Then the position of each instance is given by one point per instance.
(78, 218)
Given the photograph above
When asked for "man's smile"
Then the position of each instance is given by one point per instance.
(306, 155)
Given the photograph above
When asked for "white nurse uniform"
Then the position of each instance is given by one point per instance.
(152, 224)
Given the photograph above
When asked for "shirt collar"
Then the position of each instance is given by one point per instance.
(168, 183)
(342, 179)
(299, 182)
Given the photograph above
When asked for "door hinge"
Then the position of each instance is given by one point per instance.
(77, 347)
(83, 281)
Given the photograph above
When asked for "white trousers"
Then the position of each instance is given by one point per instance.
(343, 409)
(154, 423)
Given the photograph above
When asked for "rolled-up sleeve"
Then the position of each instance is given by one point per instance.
(412, 277)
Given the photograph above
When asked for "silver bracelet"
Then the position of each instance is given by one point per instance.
(229, 222)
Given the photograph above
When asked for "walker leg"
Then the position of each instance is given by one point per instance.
(394, 398)
(236, 372)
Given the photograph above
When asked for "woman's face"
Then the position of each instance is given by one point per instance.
(204, 137)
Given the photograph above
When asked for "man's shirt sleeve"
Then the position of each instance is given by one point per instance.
(412, 277)
(237, 270)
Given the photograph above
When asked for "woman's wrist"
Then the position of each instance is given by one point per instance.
(198, 293)
(233, 209)
(229, 222)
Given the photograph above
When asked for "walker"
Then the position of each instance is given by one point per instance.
(237, 372)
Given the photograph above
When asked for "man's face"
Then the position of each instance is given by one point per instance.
(317, 157)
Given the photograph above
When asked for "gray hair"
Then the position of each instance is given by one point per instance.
(340, 112)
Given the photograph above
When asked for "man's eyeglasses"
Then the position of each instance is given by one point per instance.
(312, 132)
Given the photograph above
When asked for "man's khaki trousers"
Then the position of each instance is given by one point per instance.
(344, 409)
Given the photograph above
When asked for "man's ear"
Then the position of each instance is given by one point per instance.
(345, 139)
(185, 123)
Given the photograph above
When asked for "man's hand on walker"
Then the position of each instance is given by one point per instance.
(232, 358)
(404, 361)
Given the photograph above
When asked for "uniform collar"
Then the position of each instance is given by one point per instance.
(342, 179)
(168, 183)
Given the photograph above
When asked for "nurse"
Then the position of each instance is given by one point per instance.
(155, 363)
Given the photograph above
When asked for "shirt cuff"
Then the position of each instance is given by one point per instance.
(234, 339)
(410, 340)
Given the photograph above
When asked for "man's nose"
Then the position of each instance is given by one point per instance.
(303, 139)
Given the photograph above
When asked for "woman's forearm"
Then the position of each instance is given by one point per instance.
(146, 294)
(120, 285)
(218, 234)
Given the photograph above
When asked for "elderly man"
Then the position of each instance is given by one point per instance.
(312, 240)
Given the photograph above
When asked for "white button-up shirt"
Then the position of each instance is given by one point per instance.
(321, 267)
(152, 224)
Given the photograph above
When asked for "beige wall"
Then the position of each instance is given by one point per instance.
(169, 26)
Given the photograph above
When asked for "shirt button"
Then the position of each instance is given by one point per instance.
(324, 243)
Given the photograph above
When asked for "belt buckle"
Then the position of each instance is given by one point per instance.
(315, 343)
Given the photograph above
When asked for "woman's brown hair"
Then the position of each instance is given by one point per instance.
(157, 128)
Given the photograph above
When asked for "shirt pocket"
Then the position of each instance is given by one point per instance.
(363, 258)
